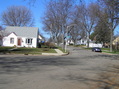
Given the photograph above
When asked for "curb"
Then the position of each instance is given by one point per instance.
(54, 54)
(65, 54)
(59, 53)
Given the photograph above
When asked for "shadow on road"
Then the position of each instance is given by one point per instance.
(13, 65)
(29, 64)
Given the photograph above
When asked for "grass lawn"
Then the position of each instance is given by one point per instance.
(108, 51)
(112, 52)
(26, 50)
(79, 46)
(105, 49)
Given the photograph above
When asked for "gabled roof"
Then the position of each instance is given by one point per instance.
(23, 31)
(11, 33)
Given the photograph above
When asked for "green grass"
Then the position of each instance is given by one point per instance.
(79, 45)
(26, 50)
(4, 49)
(106, 49)
(113, 52)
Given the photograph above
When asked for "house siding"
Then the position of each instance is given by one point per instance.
(82, 42)
(6, 40)
(95, 45)
(24, 44)
(20, 34)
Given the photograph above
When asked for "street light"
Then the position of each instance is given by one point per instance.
(67, 30)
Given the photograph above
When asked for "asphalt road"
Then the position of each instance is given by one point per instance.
(80, 69)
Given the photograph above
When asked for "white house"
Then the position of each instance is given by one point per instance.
(93, 44)
(69, 42)
(82, 41)
(21, 37)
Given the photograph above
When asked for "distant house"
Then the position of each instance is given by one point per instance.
(70, 42)
(93, 44)
(82, 41)
(21, 37)
(116, 41)
(40, 39)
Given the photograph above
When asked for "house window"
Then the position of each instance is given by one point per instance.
(11, 40)
(29, 41)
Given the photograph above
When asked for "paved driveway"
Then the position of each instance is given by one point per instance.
(78, 70)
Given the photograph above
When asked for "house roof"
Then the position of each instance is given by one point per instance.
(23, 31)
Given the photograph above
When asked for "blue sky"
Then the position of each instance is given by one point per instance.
(37, 10)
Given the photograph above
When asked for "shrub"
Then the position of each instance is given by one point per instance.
(50, 45)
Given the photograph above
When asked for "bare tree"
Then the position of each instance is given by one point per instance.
(51, 22)
(111, 8)
(76, 32)
(87, 19)
(101, 31)
(17, 16)
(30, 2)
(2, 34)
(1, 28)
(57, 17)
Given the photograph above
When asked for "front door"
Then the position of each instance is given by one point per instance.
(19, 42)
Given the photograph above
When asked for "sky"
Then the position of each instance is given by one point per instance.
(37, 10)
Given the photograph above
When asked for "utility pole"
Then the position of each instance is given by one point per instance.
(67, 30)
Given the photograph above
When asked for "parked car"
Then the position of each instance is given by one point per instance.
(96, 49)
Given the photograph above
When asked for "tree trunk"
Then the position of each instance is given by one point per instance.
(75, 42)
(63, 42)
(111, 39)
(88, 41)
